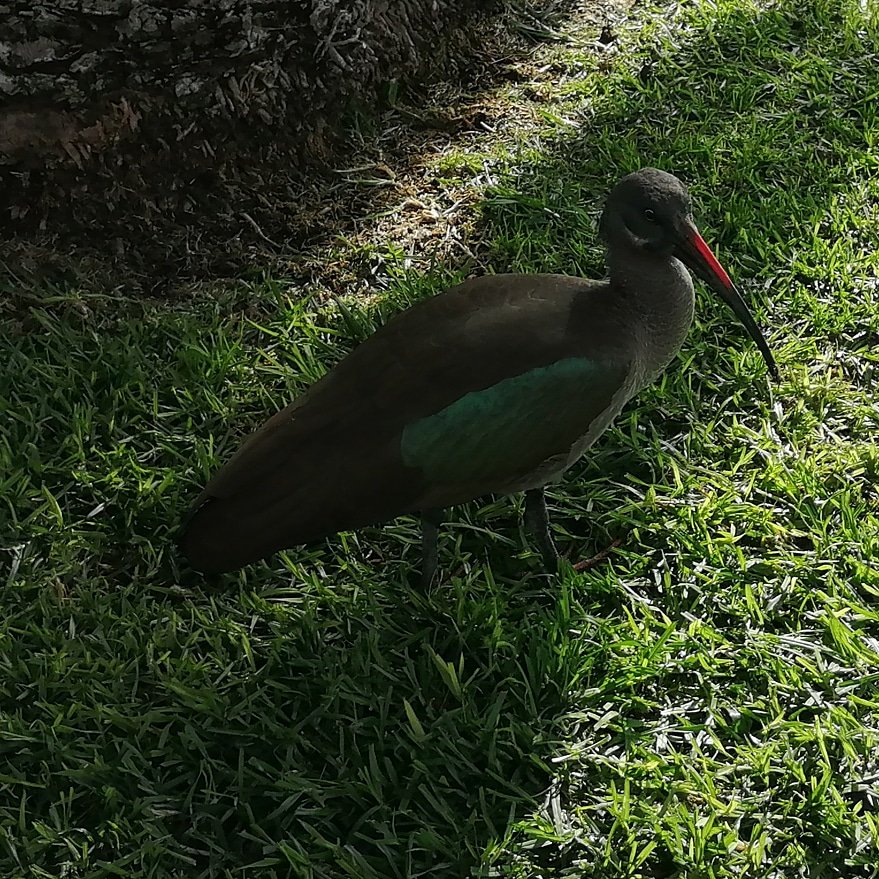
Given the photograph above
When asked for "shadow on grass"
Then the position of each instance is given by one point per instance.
(325, 720)
(267, 193)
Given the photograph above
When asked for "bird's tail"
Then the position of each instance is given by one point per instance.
(222, 536)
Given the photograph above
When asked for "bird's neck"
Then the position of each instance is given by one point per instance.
(657, 292)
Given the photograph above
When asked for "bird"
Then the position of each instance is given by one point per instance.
(495, 386)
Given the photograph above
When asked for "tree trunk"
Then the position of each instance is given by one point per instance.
(117, 116)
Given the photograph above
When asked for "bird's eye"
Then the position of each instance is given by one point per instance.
(650, 215)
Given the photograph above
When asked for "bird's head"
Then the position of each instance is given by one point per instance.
(650, 212)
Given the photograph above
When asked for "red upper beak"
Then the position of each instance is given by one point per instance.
(692, 250)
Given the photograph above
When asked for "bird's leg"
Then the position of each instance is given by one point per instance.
(430, 522)
(537, 521)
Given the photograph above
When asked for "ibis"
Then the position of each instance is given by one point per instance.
(495, 386)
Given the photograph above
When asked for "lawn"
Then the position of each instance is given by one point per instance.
(705, 703)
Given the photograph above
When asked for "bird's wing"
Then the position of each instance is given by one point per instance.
(492, 439)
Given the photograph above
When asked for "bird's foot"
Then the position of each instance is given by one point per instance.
(548, 553)
(428, 576)
(537, 522)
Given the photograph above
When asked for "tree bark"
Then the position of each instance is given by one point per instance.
(120, 109)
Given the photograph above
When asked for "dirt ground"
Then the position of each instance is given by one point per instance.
(386, 185)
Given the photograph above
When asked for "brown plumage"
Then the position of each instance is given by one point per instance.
(494, 386)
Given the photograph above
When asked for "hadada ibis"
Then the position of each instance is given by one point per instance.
(497, 385)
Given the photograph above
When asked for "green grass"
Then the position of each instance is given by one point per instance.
(704, 704)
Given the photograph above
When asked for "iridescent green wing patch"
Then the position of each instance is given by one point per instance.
(513, 425)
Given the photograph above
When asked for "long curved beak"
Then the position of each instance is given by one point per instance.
(692, 250)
